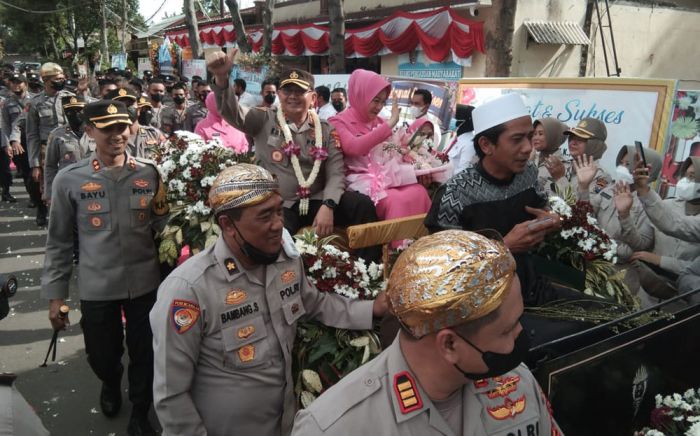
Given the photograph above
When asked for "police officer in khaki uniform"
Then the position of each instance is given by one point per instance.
(45, 114)
(328, 202)
(455, 367)
(198, 111)
(173, 116)
(145, 140)
(117, 203)
(225, 320)
(13, 121)
(65, 146)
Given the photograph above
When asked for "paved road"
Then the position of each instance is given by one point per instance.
(65, 394)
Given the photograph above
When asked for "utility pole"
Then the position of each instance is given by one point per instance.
(104, 59)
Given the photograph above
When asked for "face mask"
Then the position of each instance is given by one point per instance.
(156, 97)
(145, 117)
(255, 254)
(499, 364)
(687, 190)
(58, 85)
(269, 98)
(19, 93)
(338, 106)
(415, 111)
(179, 100)
(132, 113)
(622, 174)
(74, 121)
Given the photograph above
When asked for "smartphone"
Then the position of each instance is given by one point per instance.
(541, 222)
(640, 152)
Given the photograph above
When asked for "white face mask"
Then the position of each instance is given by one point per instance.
(687, 190)
(415, 111)
(622, 174)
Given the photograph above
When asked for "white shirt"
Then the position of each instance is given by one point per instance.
(326, 111)
(462, 153)
(249, 100)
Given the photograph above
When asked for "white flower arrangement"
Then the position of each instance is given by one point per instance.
(675, 415)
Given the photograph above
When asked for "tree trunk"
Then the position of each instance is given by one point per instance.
(583, 65)
(336, 52)
(241, 36)
(104, 56)
(498, 34)
(193, 29)
(267, 27)
(123, 42)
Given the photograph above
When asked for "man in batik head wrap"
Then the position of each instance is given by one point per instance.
(225, 321)
(455, 367)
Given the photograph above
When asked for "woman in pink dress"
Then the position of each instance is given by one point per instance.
(359, 130)
(214, 126)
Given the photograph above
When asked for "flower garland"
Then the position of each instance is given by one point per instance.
(293, 151)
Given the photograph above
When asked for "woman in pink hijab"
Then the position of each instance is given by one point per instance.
(360, 129)
(213, 125)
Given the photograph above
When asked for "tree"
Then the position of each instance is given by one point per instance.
(498, 35)
(336, 52)
(192, 28)
(241, 36)
(267, 27)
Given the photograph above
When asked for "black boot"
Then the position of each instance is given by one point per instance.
(110, 399)
(139, 425)
(41, 211)
(6, 196)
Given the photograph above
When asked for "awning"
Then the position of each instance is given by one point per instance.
(441, 34)
(557, 32)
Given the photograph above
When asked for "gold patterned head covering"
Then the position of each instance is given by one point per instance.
(448, 278)
(241, 185)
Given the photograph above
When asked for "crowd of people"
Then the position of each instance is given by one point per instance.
(210, 344)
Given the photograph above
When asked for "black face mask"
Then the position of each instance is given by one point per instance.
(145, 117)
(255, 254)
(58, 85)
(269, 98)
(74, 121)
(338, 106)
(499, 364)
(179, 100)
(156, 97)
(132, 113)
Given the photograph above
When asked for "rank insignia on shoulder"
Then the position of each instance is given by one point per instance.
(245, 332)
(288, 277)
(506, 386)
(246, 353)
(407, 393)
(508, 409)
(184, 314)
(230, 265)
(480, 384)
(235, 296)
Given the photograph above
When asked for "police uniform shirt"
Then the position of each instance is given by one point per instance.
(12, 109)
(145, 142)
(116, 219)
(63, 148)
(223, 339)
(195, 113)
(157, 115)
(569, 181)
(261, 124)
(383, 397)
(172, 119)
(45, 114)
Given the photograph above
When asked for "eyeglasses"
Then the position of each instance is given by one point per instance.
(295, 91)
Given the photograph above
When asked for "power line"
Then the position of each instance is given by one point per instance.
(156, 12)
(9, 5)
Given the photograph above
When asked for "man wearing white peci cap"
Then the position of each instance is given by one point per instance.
(501, 192)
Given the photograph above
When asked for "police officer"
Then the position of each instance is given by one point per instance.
(117, 202)
(455, 367)
(145, 139)
(198, 111)
(173, 116)
(64, 146)
(156, 94)
(225, 320)
(5, 158)
(327, 203)
(13, 128)
(45, 114)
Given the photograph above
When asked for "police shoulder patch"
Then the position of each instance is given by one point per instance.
(406, 392)
(184, 314)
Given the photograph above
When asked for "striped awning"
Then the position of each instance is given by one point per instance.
(557, 32)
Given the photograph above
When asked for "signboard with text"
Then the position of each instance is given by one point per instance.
(418, 66)
(632, 109)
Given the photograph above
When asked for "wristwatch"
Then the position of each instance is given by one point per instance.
(330, 203)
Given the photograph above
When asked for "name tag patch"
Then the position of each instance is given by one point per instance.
(239, 312)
